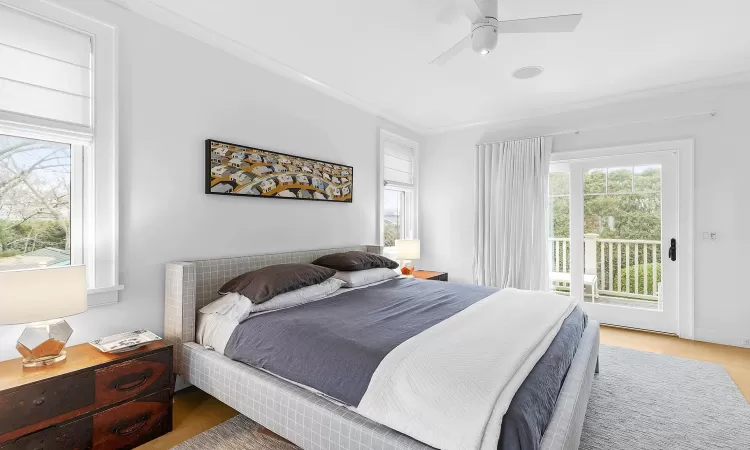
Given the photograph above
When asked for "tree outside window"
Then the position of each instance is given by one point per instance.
(35, 180)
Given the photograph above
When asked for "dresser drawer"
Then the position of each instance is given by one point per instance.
(130, 379)
(134, 423)
(33, 403)
(72, 436)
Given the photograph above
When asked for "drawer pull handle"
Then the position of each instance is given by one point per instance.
(39, 401)
(130, 428)
(134, 381)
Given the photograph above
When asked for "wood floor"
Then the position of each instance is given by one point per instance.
(195, 411)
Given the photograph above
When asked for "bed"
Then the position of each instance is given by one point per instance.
(297, 414)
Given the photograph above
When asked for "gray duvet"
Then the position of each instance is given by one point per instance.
(334, 345)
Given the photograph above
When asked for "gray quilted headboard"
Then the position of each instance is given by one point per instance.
(191, 285)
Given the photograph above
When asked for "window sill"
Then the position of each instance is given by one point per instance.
(104, 296)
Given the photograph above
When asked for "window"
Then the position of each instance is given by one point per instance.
(558, 215)
(36, 223)
(398, 206)
(58, 198)
(393, 216)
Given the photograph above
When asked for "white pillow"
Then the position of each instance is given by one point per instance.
(300, 296)
(234, 306)
(359, 278)
(237, 307)
(216, 321)
(214, 330)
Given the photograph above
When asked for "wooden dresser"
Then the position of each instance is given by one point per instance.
(92, 400)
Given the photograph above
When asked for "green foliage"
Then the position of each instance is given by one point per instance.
(390, 234)
(629, 215)
(17, 238)
(558, 183)
(560, 216)
(642, 270)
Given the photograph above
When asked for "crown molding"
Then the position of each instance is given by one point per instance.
(213, 38)
(706, 83)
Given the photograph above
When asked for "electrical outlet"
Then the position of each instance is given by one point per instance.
(746, 343)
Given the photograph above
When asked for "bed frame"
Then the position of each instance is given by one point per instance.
(297, 414)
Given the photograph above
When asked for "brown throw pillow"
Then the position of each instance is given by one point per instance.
(350, 261)
(266, 283)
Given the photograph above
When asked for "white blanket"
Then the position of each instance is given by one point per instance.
(450, 385)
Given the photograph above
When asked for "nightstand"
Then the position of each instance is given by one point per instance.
(92, 400)
(427, 275)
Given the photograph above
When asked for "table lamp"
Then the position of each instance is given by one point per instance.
(40, 298)
(407, 250)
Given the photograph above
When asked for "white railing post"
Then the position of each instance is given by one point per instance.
(604, 259)
(589, 248)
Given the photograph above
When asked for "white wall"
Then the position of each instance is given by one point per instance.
(722, 191)
(174, 93)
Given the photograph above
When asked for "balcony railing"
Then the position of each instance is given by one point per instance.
(624, 268)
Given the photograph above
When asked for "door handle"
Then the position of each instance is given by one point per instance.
(673, 249)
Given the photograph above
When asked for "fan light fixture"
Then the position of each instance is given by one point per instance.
(484, 37)
(485, 28)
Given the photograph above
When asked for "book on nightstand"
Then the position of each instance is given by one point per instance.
(125, 342)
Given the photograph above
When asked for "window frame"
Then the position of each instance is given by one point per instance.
(94, 150)
(411, 191)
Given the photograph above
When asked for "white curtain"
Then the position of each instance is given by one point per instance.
(510, 235)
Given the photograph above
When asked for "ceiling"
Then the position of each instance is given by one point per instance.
(376, 52)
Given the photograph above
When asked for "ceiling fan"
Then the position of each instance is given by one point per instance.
(485, 27)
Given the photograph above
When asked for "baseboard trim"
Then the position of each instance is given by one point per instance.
(719, 337)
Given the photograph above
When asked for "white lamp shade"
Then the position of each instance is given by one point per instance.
(42, 294)
(407, 248)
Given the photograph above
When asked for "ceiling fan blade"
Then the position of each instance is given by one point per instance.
(471, 9)
(453, 51)
(553, 24)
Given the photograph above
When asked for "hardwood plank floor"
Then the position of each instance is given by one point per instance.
(195, 411)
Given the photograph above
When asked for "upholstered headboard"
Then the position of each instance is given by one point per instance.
(191, 285)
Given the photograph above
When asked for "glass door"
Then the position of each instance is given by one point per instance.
(623, 217)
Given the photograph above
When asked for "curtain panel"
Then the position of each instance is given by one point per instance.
(510, 235)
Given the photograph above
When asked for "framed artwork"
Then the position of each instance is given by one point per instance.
(241, 171)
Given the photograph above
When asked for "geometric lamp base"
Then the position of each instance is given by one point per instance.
(42, 343)
(45, 360)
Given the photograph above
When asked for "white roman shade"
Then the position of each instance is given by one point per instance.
(45, 68)
(398, 163)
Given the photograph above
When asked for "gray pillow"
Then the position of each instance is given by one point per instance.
(351, 261)
(266, 283)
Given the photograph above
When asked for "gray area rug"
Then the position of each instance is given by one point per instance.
(649, 401)
(237, 433)
(639, 401)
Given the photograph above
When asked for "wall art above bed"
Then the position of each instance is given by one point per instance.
(233, 169)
